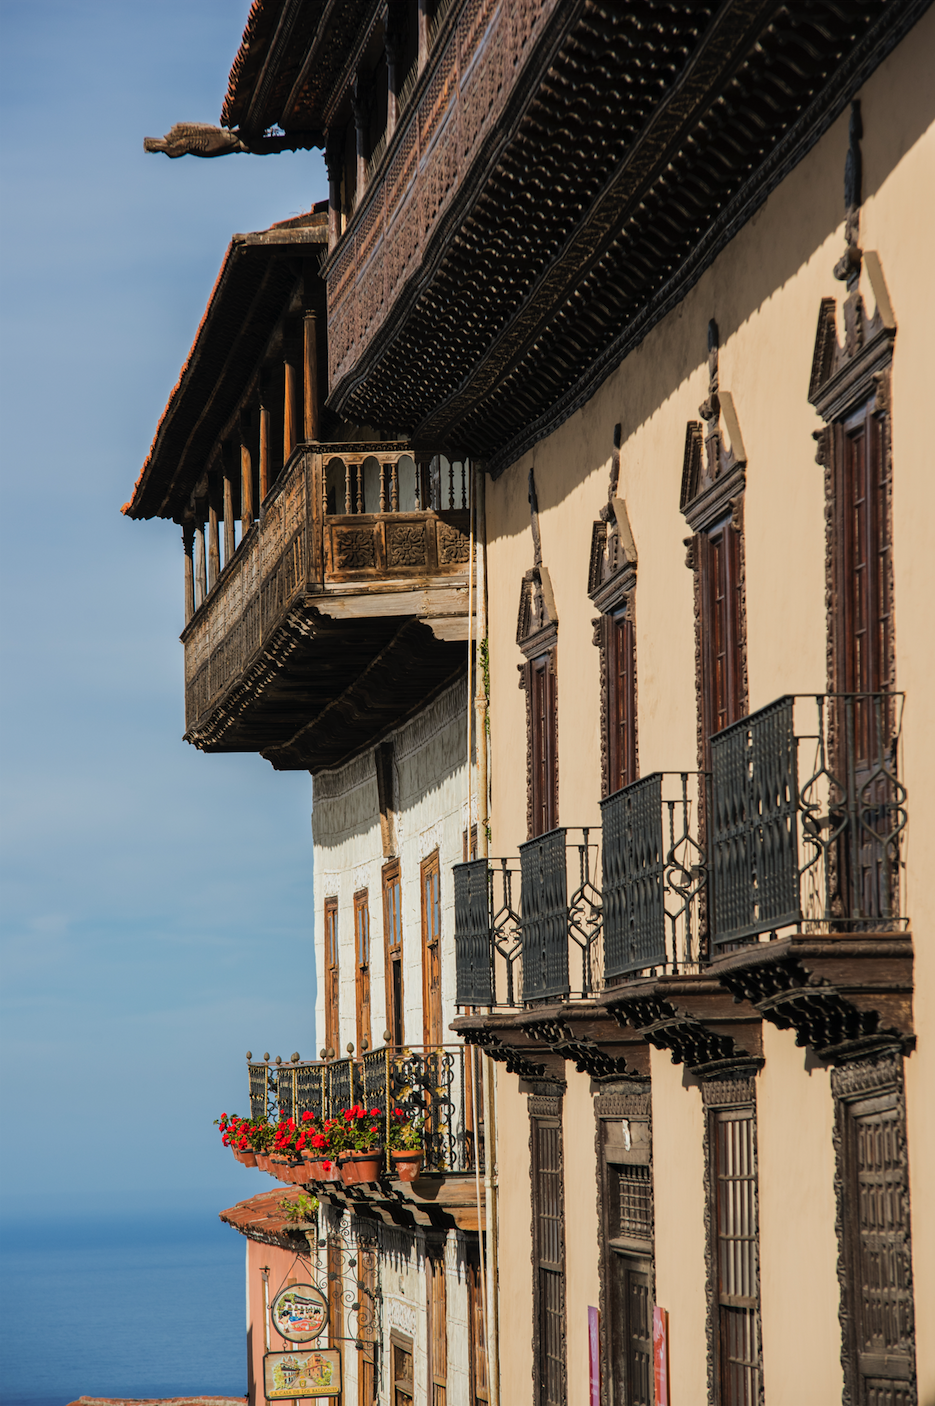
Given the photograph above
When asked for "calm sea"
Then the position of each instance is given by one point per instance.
(114, 1309)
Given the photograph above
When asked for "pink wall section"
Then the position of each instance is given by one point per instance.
(282, 1266)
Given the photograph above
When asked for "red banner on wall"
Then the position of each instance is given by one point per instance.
(661, 1355)
(594, 1357)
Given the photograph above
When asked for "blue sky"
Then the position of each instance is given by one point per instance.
(156, 903)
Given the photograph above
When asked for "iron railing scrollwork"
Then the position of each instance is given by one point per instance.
(654, 876)
(551, 920)
(473, 954)
(808, 841)
(430, 1084)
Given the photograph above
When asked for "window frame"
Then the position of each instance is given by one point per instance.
(432, 1001)
(332, 977)
(539, 676)
(391, 883)
(619, 643)
(362, 964)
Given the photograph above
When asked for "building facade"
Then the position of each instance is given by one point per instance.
(635, 304)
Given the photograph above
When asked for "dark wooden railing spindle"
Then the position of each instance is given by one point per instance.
(214, 543)
(188, 545)
(394, 486)
(312, 403)
(264, 453)
(229, 543)
(246, 490)
(201, 579)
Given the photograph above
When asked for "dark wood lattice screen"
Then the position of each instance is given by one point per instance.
(735, 1197)
(877, 1253)
(549, 1259)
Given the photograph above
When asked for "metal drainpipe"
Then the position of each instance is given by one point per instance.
(264, 1275)
(490, 1124)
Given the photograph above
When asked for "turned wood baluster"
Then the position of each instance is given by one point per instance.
(214, 539)
(246, 490)
(288, 412)
(348, 505)
(463, 485)
(383, 468)
(188, 545)
(264, 453)
(451, 484)
(334, 162)
(394, 486)
(360, 487)
(312, 404)
(201, 579)
(425, 21)
(229, 544)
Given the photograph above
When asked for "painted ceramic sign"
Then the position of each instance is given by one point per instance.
(299, 1313)
(290, 1376)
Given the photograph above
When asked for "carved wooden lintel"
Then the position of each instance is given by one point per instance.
(712, 472)
(845, 374)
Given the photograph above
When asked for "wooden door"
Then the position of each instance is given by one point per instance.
(620, 663)
(393, 952)
(722, 700)
(437, 1330)
(332, 1022)
(432, 1027)
(541, 701)
(631, 1338)
(549, 1327)
(477, 1334)
(362, 958)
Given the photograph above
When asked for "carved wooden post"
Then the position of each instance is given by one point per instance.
(288, 416)
(348, 505)
(425, 21)
(264, 453)
(229, 544)
(360, 487)
(360, 106)
(394, 486)
(246, 489)
(395, 48)
(312, 403)
(201, 580)
(334, 162)
(383, 469)
(188, 545)
(214, 539)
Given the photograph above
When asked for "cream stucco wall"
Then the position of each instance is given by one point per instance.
(764, 291)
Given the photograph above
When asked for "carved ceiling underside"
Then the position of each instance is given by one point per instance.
(642, 137)
(322, 689)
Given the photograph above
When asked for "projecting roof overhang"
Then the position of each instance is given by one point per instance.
(261, 275)
(636, 144)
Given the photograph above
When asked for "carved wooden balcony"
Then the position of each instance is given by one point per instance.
(342, 608)
(556, 178)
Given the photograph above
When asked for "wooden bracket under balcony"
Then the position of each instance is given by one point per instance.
(693, 1018)
(587, 1034)
(440, 1200)
(499, 1036)
(843, 993)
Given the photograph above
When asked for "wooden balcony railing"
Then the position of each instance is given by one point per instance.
(457, 102)
(417, 527)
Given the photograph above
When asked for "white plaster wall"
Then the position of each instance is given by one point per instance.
(431, 800)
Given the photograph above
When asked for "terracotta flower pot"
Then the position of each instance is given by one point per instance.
(328, 1170)
(301, 1173)
(347, 1169)
(246, 1158)
(262, 1161)
(277, 1167)
(407, 1165)
(366, 1167)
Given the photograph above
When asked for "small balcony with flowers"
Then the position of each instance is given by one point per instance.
(768, 888)
(395, 1134)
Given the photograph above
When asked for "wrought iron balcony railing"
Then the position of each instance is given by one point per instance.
(548, 947)
(807, 815)
(647, 916)
(428, 1083)
(655, 876)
